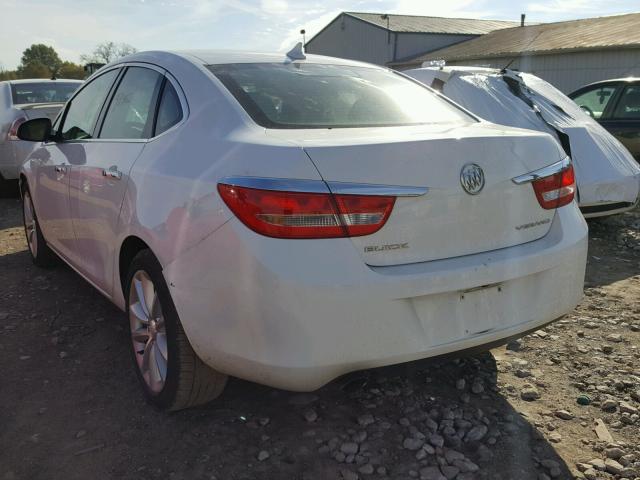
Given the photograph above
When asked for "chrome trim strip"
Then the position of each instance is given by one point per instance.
(373, 189)
(284, 184)
(319, 186)
(543, 172)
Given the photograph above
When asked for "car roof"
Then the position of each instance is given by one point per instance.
(602, 82)
(215, 57)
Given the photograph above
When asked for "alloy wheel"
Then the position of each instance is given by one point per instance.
(148, 331)
(30, 225)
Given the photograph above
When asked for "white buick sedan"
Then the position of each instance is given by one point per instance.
(288, 219)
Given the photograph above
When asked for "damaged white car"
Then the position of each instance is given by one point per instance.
(607, 176)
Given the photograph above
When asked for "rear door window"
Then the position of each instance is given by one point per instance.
(594, 101)
(170, 110)
(84, 109)
(628, 107)
(130, 113)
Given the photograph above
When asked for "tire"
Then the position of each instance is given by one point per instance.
(187, 381)
(41, 254)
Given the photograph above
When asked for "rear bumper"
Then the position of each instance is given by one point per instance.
(12, 156)
(297, 314)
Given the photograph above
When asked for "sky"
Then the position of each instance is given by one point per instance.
(74, 27)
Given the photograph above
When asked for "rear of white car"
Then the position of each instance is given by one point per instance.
(22, 100)
(299, 218)
(388, 254)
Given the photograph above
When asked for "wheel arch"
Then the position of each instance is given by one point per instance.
(130, 247)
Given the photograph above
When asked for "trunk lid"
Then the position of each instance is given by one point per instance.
(447, 221)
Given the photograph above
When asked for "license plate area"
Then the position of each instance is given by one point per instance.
(454, 316)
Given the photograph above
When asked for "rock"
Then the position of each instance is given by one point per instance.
(81, 433)
(602, 432)
(366, 469)
(614, 337)
(4, 315)
(522, 373)
(555, 437)
(412, 443)
(477, 387)
(627, 408)
(348, 475)
(451, 455)
(564, 415)
(366, 419)
(449, 471)
(626, 459)
(310, 415)
(612, 466)
(263, 455)
(614, 453)
(436, 440)
(349, 448)
(609, 405)
(476, 433)
(597, 463)
(466, 465)
(549, 463)
(514, 345)
(583, 399)
(461, 383)
(431, 473)
(63, 354)
(529, 393)
(607, 349)
(590, 474)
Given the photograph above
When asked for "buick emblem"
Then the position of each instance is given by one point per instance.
(472, 178)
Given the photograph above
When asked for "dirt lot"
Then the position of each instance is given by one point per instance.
(71, 408)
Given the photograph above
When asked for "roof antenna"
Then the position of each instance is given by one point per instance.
(297, 52)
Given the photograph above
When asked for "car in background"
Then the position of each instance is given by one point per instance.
(614, 104)
(22, 100)
(289, 219)
(607, 176)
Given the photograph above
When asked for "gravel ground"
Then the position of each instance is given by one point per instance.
(561, 403)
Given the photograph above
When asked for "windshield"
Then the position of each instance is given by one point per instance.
(42, 92)
(302, 95)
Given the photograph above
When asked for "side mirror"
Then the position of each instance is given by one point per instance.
(36, 130)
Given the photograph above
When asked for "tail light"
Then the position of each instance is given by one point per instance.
(283, 214)
(556, 190)
(13, 129)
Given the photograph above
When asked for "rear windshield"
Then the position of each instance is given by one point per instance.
(304, 95)
(42, 92)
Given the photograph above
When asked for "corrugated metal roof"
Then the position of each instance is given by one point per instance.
(590, 33)
(420, 24)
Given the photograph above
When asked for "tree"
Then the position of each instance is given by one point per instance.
(39, 56)
(33, 70)
(108, 52)
(71, 70)
(7, 74)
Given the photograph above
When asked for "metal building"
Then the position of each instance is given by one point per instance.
(383, 38)
(566, 54)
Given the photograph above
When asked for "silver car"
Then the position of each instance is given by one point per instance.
(22, 100)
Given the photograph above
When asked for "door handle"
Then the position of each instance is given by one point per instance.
(61, 168)
(112, 172)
